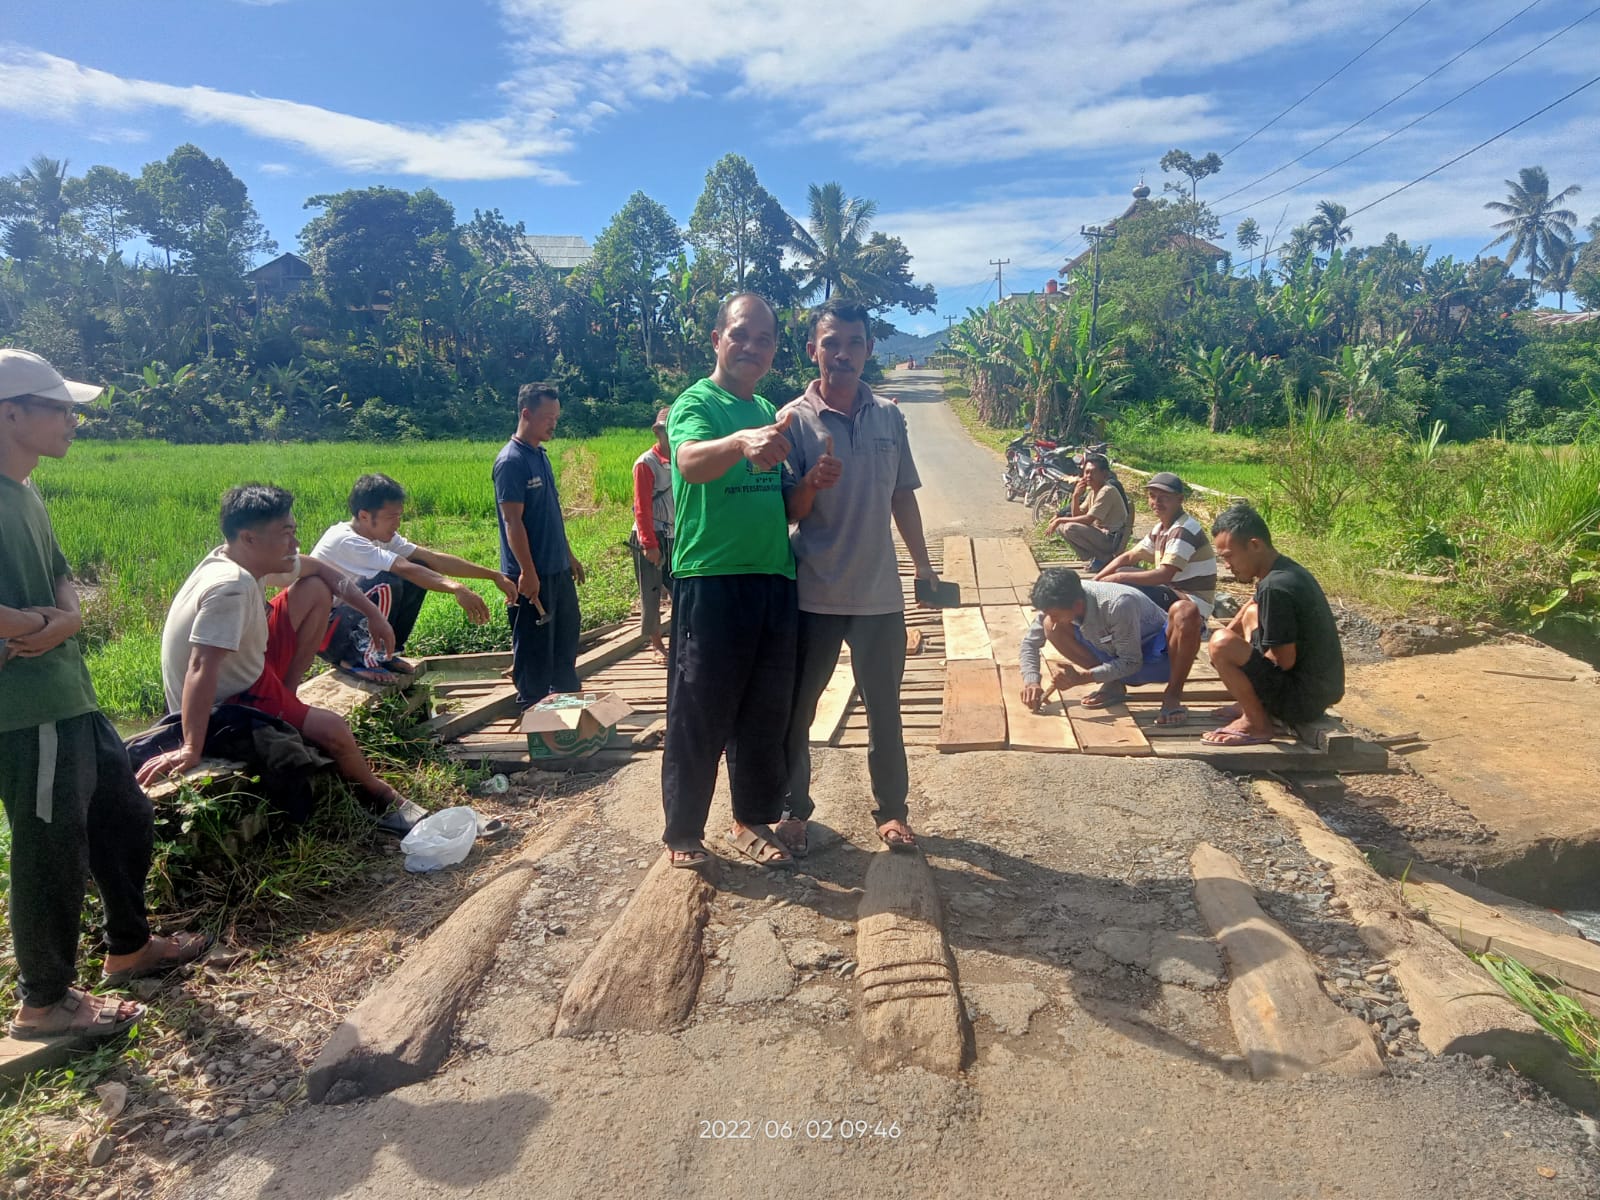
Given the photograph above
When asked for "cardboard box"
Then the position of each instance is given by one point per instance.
(572, 724)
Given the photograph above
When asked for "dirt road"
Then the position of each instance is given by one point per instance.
(1102, 1060)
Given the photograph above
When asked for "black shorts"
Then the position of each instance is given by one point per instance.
(1164, 596)
(1281, 692)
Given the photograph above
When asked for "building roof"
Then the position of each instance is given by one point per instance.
(286, 263)
(1563, 318)
(564, 252)
(1178, 241)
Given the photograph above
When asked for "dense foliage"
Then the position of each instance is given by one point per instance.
(412, 324)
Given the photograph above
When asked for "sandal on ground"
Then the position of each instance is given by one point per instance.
(490, 828)
(168, 954)
(1110, 693)
(791, 831)
(688, 858)
(79, 1014)
(398, 666)
(1175, 714)
(1234, 737)
(897, 836)
(761, 846)
(368, 674)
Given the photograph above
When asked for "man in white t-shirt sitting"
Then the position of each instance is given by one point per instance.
(223, 642)
(395, 574)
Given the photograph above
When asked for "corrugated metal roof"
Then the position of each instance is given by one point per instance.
(561, 251)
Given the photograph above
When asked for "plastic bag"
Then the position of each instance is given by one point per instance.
(440, 839)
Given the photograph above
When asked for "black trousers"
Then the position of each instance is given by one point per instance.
(730, 681)
(878, 658)
(84, 816)
(653, 579)
(399, 600)
(544, 658)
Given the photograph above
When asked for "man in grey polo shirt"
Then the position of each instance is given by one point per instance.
(851, 473)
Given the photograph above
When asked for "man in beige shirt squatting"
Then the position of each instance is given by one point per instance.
(1097, 523)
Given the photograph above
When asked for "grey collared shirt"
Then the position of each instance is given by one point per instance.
(844, 549)
(1117, 620)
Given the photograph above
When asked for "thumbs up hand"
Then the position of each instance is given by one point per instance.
(767, 446)
(827, 470)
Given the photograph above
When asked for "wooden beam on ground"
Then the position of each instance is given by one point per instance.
(402, 1031)
(1024, 570)
(1459, 1009)
(974, 711)
(835, 702)
(616, 648)
(475, 714)
(959, 567)
(207, 771)
(965, 635)
(1109, 730)
(1047, 731)
(644, 973)
(994, 568)
(911, 1012)
(1284, 1022)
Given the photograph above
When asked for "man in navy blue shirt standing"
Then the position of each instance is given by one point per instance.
(534, 553)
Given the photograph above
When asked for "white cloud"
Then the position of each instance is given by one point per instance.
(499, 148)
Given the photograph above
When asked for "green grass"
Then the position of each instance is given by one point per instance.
(135, 517)
(960, 400)
(1571, 1024)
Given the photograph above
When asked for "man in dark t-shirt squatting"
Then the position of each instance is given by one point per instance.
(1280, 657)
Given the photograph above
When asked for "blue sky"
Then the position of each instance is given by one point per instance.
(983, 128)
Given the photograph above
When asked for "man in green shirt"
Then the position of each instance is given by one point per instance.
(730, 666)
(69, 793)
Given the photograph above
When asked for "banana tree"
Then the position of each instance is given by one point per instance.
(1220, 373)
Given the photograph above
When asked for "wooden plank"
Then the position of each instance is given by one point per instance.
(835, 702)
(1285, 1023)
(474, 714)
(974, 713)
(1109, 730)
(995, 595)
(965, 635)
(989, 556)
(1480, 927)
(958, 564)
(1047, 731)
(1020, 561)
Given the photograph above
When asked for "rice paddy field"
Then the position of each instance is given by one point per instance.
(135, 517)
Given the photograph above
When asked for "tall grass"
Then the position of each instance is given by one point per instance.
(134, 518)
(1569, 1022)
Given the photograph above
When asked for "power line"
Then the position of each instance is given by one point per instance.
(1392, 100)
(1374, 45)
(1416, 120)
(1487, 141)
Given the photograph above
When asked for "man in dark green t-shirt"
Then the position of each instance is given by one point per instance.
(730, 666)
(69, 793)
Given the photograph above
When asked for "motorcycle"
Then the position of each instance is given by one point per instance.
(1022, 456)
(1054, 477)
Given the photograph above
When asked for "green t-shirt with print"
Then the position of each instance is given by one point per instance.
(736, 524)
(55, 685)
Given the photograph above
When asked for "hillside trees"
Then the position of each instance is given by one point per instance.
(632, 257)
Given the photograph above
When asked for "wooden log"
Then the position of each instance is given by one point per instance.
(1284, 1023)
(834, 702)
(911, 1012)
(402, 1030)
(475, 714)
(20, 1058)
(1459, 1008)
(965, 635)
(974, 711)
(644, 973)
(650, 736)
(959, 567)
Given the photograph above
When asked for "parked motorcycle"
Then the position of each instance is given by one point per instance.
(1022, 456)
(1054, 477)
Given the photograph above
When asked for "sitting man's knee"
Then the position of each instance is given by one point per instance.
(1184, 616)
(1225, 645)
(328, 730)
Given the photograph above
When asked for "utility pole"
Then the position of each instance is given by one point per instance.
(999, 265)
(948, 321)
(1095, 235)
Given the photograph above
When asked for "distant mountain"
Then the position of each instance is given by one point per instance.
(904, 345)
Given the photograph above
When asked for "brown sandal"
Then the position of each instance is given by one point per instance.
(897, 838)
(182, 949)
(761, 846)
(87, 1016)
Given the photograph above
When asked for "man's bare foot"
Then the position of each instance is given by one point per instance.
(1237, 733)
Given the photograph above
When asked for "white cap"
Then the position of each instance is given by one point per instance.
(23, 373)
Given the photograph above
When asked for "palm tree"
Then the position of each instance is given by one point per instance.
(832, 238)
(1535, 222)
(1558, 271)
(1248, 235)
(41, 189)
(1327, 228)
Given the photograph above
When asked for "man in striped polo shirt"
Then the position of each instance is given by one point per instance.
(1183, 581)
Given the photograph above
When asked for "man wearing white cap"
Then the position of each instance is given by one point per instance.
(70, 796)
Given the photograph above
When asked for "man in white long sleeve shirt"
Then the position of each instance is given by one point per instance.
(1110, 634)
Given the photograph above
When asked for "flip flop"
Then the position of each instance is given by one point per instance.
(110, 1017)
(490, 828)
(398, 666)
(187, 947)
(1176, 715)
(898, 840)
(754, 842)
(1110, 693)
(1234, 737)
(369, 674)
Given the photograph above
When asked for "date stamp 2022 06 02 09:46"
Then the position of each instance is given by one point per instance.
(814, 1130)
